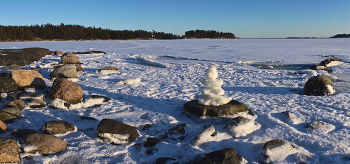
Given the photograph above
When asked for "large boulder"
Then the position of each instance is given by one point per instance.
(69, 58)
(232, 108)
(7, 84)
(57, 127)
(9, 151)
(22, 56)
(45, 144)
(65, 71)
(27, 77)
(116, 132)
(10, 113)
(66, 90)
(319, 86)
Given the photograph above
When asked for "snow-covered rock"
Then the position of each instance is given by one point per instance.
(240, 126)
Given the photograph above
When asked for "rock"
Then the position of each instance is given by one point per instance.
(9, 151)
(240, 126)
(45, 144)
(277, 150)
(66, 90)
(12, 67)
(225, 156)
(19, 133)
(116, 132)
(57, 127)
(164, 160)
(319, 86)
(95, 100)
(207, 133)
(176, 133)
(27, 77)
(32, 96)
(15, 95)
(150, 142)
(3, 127)
(232, 108)
(65, 71)
(29, 89)
(330, 60)
(319, 127)
(7, 84)
(58, 53)
(22, 56)
(17, 103)
(108, 70)
(90, 52)
(8, 114)
(36, 104)
(327, 64)
(69, 58)
(79, 68)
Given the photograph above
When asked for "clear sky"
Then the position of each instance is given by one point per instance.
(244, 18)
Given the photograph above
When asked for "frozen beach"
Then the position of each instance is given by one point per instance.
(158, 76)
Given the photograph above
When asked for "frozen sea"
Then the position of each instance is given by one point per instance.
(158, 76)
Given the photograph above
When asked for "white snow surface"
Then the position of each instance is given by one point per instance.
(264, 74)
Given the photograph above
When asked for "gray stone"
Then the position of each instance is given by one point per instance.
(232, 108)
(10, 113)
(65, 71)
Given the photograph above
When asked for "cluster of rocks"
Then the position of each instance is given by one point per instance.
(27, 89)
(319, 85)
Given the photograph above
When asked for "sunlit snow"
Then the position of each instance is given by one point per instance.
(267, 75)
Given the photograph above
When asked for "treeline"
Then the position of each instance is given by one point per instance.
(341, 36)
(208, 34)
(78, 32)
(74, 32)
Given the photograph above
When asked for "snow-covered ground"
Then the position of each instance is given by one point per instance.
(158, 76)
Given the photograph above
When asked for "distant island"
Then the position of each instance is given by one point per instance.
(341, 36)
(77, 32)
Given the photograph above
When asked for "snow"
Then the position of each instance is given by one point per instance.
(269, 80)
(212, 92)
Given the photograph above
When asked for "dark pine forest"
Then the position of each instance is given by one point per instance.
(78, 32)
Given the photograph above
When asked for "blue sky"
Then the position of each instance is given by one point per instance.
(244, 18)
